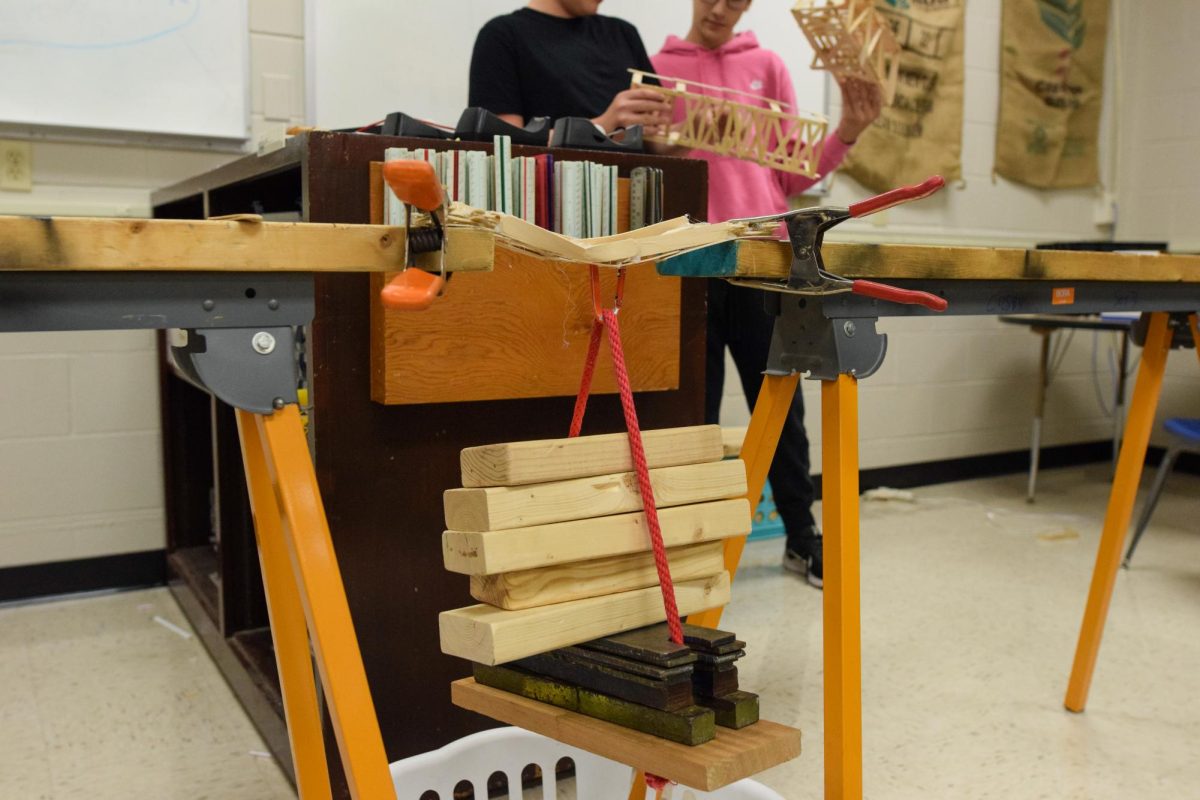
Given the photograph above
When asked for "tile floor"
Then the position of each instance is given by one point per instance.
(971, 605)
(100, 701)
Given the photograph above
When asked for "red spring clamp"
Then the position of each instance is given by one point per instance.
(806, 229)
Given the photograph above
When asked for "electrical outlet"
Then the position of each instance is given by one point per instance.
(16, 166)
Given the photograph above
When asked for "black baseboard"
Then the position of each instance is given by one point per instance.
(1013, 462)
(124, 571)
(928, 473)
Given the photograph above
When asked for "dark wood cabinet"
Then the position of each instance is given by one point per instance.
(381, 469)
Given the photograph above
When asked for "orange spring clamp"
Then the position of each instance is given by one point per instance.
(416, 185)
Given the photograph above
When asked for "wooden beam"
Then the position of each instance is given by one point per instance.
(493, 552)
(763, 259)
(244, 244)
(501, 507)
(731, 756)
(491, 636)
(518, 463)
(540, 587)
(731, 440)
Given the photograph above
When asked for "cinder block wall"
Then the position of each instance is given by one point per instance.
(79, 439)
(964, 386)
(80, 463)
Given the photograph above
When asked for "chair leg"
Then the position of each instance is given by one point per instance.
(1160, 479)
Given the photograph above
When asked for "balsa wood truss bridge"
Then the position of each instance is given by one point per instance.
(851, 39)
(713, 121)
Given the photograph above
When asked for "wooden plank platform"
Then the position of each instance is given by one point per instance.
(768, 259)
(244, 244)
(733, 755)
(249, 244)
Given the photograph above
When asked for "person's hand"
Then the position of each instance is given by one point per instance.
(637, 107)
(861, 104)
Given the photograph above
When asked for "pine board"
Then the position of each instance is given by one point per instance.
(493, 552)
(491, 636)
(518, 463)
(540, 587)
(733, 755)
(244, 244)
(502, 507)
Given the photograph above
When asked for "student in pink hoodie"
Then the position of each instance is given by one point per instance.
(712, 54)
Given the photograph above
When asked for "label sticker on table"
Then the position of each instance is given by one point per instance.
(1063, 296)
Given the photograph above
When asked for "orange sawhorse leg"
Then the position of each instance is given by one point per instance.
(289, 633)
(1194, 321)
(842, 635)
(758, 451)
(317, 583)
(1120, 507)
(842, 616)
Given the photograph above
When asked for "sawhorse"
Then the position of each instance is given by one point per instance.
(833, 338)
(240, 345)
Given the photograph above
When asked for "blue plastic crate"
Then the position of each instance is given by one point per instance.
(767, 523)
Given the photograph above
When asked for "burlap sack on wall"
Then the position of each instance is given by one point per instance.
(920, 134)
(1051, 87)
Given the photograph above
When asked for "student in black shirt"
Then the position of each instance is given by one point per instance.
(560, 58)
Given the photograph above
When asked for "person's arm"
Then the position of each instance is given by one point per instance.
(495, 79)
(636, 106)
(861, 104)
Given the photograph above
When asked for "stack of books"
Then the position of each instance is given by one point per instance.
(575, 198)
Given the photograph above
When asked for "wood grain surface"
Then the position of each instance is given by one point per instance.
(246, 244)
(733, 755)
(762, 259)
(493, 552)
(501, 507)
(539, 461)
(539, 587)
(488, 635)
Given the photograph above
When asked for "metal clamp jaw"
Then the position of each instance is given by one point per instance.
(806, 229)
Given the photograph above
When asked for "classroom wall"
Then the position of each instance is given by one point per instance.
(79, 441)
(80, 463)
(1159, 165)
(963, 386)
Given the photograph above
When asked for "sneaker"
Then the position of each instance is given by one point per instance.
(806, 565)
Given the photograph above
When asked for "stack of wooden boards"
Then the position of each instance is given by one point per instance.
(641, 680)
(556, 544)
(555, 541)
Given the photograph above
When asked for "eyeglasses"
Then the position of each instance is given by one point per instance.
(732, 5)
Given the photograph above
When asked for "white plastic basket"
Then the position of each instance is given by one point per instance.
(509, 751)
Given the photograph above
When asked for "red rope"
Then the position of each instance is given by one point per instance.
(607, 318)
(589, 369)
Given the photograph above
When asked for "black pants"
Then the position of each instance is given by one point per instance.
(737, 320)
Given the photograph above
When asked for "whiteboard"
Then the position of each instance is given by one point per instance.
(176, 67)
(367, 58)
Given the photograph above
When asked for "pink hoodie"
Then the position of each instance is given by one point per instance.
(739, 188)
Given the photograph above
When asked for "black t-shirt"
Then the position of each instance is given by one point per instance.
(538, 65)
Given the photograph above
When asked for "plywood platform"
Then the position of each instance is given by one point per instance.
(733, 755)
